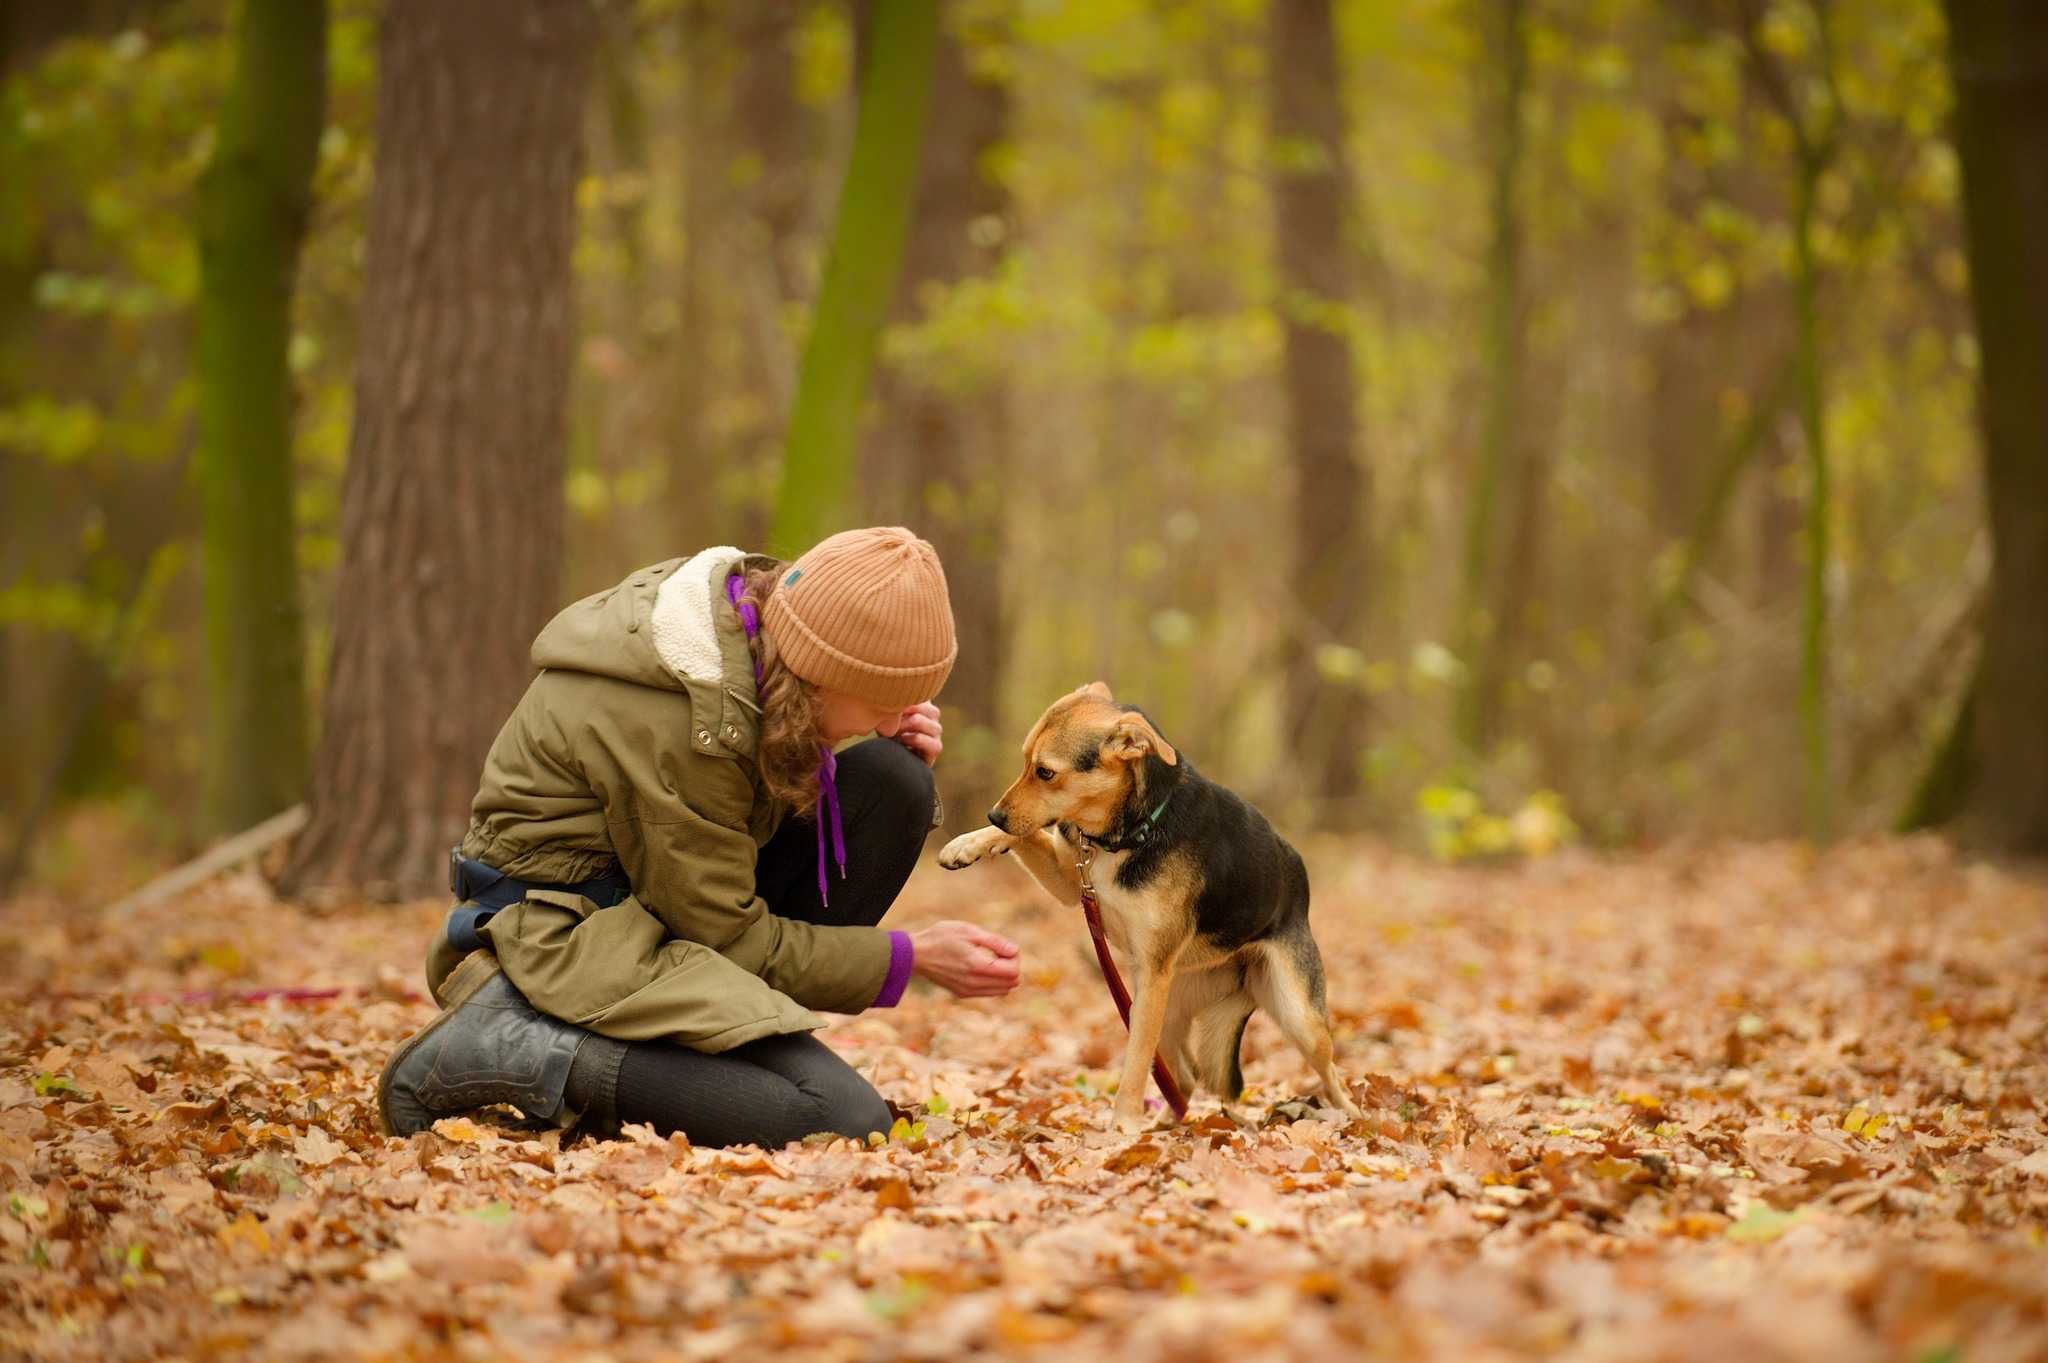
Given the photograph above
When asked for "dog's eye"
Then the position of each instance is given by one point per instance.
(1043, 773)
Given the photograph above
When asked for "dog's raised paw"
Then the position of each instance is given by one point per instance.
(968, 848)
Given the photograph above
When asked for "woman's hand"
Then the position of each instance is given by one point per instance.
(919, 730)
(968, 960)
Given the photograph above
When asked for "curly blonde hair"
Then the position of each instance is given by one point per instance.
(787, 755)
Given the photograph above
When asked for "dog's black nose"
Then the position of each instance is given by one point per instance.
(999, 818)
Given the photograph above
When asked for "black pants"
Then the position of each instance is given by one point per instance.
(783, 1088)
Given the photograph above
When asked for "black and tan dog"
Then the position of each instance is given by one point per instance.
(1198, 893)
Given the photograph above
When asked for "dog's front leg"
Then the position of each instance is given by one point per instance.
(969, 848)
(1154, 962)
(1038, 853)
(1042, 855)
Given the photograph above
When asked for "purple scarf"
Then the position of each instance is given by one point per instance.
(828, 764)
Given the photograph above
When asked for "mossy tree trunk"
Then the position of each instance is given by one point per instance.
(1331, 573)
(1815, 121)
(1813, 594)
(861, 268)
(253, 206)
(1996, 762)
(1481, 631)
(452, 504)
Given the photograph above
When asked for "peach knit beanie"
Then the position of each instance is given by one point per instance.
(866, 612)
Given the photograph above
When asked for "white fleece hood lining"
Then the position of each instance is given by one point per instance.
(685, 636)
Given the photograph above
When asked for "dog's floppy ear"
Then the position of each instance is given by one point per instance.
(1097, 689)
(1133, 737)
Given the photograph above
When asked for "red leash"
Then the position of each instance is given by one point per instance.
(1168, 1088)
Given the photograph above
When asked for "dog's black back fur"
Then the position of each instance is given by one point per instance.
(1253, 884)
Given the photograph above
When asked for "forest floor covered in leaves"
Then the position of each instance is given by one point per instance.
(1748, 1102)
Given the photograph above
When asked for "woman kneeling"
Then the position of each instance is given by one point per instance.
(668, 868)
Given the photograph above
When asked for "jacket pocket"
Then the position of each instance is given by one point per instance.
(580, 905)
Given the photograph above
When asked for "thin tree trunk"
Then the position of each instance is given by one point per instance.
(1999, 54)
(935, 456)
(1813, 613)
(771, 152)
(1815, 137)
(860, 274)
(767, 160)
(1331, 567)
(692, 467)
(1479, 624)
(253, 205)
(452, 503)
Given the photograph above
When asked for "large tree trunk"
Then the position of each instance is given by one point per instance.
(860, 273)
(1999, 54)
(935, 455)
(1331, 568)
(452, 503)
(253, 207)
(1480, 629)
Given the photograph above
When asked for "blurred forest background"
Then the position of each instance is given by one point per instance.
(1477, 422)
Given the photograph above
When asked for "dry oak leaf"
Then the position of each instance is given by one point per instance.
(194, 1114)
(316, 1149)
(1136, 1155)
(245, 1231)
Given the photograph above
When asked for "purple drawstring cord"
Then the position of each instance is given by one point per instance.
(828, 764)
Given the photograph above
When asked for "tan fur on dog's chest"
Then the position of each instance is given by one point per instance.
(1135, 921)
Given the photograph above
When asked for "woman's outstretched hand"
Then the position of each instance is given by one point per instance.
(966, 958)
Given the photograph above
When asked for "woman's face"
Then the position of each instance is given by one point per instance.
(843, 716)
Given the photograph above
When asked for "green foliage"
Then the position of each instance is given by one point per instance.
(1130, 328)
(1457, 826)
(103, 142)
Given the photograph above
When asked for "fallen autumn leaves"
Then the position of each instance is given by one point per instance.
(1737, 1103)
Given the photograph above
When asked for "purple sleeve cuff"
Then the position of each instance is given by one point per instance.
(901, 957)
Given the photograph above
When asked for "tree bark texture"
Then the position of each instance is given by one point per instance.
(253, 206)
(1482, 631)
(860, 274)
(452, 502)
(1331, 569)
(935, 456)
(1999, 55)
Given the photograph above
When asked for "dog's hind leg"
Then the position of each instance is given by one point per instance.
(1202, 1004)
(1287, 980)
(1217, 1009)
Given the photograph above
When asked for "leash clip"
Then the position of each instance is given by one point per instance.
(1082, 861)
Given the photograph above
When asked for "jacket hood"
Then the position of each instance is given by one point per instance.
(666, 626)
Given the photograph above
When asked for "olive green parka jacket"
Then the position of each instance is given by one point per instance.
(634, 748)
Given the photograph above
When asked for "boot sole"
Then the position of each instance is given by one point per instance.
(474, 973)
